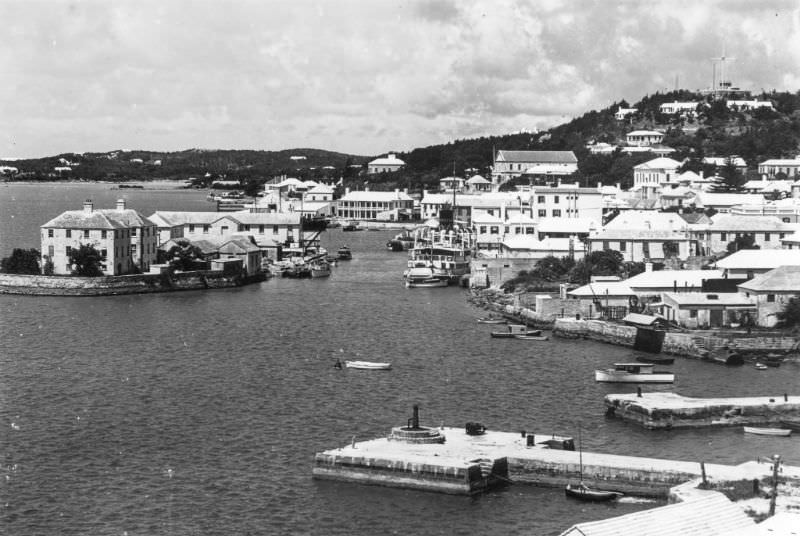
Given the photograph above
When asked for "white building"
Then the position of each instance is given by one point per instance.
(743, 105)
(125, 239)
(369, 205)
(685, 109)
(790, 167)
(387, 164)
(643, 138)
(622, 113)
(510, 164)
(651, 176)
(566, 201)
(320, 192)
(767, 232)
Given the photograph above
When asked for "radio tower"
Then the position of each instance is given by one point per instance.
(724, 84)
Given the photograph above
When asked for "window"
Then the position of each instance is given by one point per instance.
(103, 234)
(50, 233)
(69, 250)
(69, 233)
(51, 250)
(517, 230)
(494, 229)
(555, 199)
(191, 227)
(274, 229)
(781, 235)
(133, 250)
(530, 230)
(205, 229)
(260, 229)
(622, 246)
(223, 230)
(770, 298)
(540, 199)
(556, 212)
(104, 253)
(692, 313)
(483, 229)
(133, 231)
(766, 237)
(723, 237)
(542, 213)
(605, 245)
(785, 220)
(86, 233)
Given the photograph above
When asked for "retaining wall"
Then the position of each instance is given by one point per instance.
(41, 285)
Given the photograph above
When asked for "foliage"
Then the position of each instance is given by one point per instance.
(670, 249)
(743, 241)
(790, 315)
(548, 270)
(21, 261)
(731, 179)
(86, 261)
(183, 255)
(604, 262)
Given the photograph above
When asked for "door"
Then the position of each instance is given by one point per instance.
(716, 317)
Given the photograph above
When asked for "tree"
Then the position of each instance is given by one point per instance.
(252, 188)
(744, 241)
(184, 255)
(790, 315)
(603, 262)
(21, 261)
(85, 261)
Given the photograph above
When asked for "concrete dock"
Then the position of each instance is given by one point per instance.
(671, 410)
(466, 464)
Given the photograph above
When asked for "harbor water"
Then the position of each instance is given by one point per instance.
(199, 412)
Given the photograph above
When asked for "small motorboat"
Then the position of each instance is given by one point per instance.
(320, 269)
(367, 365)
(492, 320)
(516, 329)
(344, 254)
(532, 337)
(633, 373)
(782, 432)
(760, 366)
(585, 493)
(423, 278)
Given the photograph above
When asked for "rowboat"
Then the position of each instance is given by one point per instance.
(633, 373)
(492, 320)
(367, 365)
(516, 329)
(531, 337)
(761, 366)
(585, 493)
(783, 432)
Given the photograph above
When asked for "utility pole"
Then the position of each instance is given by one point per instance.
(776, 462)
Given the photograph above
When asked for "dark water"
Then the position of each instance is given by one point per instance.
(200, 412)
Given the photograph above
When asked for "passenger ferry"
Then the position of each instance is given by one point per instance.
(446, 252)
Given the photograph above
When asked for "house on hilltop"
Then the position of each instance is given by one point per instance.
(385, 164)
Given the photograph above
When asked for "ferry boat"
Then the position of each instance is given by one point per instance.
(344, 253)
(446, 252)
(633, 373)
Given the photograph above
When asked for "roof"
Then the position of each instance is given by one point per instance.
(175, 218)
(477, 179)
(737, 161)
(711, 515)
(644, 133)
(530, 243)
(702, 298)
(756, 259)
(390, 160)
(603, 289)
(672, 278)
(642, 320)
(724, 199)
(734, 223)
(647, 219)
(99, 219)
(567, 225)
(562, 157)
(368, 195)
(781, 162)
(320, 189)
(695, 217)
(661, 162)
(638, 234)
(780, 279)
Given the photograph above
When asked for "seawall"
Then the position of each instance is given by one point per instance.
(41, 285)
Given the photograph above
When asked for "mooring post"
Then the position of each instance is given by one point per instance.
(776, 461)
(703, 472)
(415, 418)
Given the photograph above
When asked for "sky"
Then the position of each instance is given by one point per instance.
(361, 77)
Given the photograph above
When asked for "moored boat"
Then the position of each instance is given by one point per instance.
(512, 330)
(320, 269)
(782, 432)
(760, 366)
(367, 365)
(344, 253)
(633, 373)
(423, 278)
(492, 320)
(585, 493)
(531, 337)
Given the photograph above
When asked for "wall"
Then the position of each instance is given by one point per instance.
(39, 285)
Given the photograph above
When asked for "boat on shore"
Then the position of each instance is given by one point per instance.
(367, 365)
(782, 432)
(512, 330)
(320, 268)
(760, 366)
(633, 373)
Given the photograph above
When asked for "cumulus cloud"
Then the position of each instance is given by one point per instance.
(359, 76)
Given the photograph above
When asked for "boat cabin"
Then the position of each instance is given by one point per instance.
(518, 329)
(634, 368)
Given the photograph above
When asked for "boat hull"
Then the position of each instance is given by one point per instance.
(531, 337)
(783, 432)
(367, 365)
(426, 283)
(614, 376)
(591, 495)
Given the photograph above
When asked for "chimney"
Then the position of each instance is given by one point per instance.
(617, 185)
(405, 191)
(120, 204)
(599, 185)
(397, 193)
(648, 267)
(347, 190)
(366, 188)
(88, 207)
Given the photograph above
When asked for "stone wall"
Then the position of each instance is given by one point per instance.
(597, 330)
(41, 285)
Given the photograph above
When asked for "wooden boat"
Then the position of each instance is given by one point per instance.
(760, 366)
(516, 329)
(492, 320)
(344, 253)
(320, 269)
(532, 337)
(783, 432)
(791, 424)
(656, 360)
(633, 373)
(367, 365)
(583, 492)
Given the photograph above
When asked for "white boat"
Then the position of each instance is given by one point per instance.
(423, 278)
(531, 337)
(633, 373)
(320, 269)
(367, 365)
(768, 431)
(761, 366)
(446, 252)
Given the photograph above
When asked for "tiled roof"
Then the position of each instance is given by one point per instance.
(781, 279)
(362, 195)
(702, 298)
(659, 163)
(638, 234)
(564, 157)
(98, 219)
(713, 515)
(734, 223)
(756, 259)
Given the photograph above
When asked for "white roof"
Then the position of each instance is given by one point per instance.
(321, 189)
(477, 179)
(689, 176)
(368, 195)
(390, 160)
(552, 245)
(702, 298)
(736, 222)
(781, 162)
(647, 219)
(291, 181)
(661, 162)
(711, 515)
(603, 288)
(725, 199)
(567, 225)
(737, 161)
(645, 133)
(757, 259)
(670, 278)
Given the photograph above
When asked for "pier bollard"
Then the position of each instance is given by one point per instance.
(354, 442)
(523, 433)
(639, 392)
(785, 397)
(531, 440)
